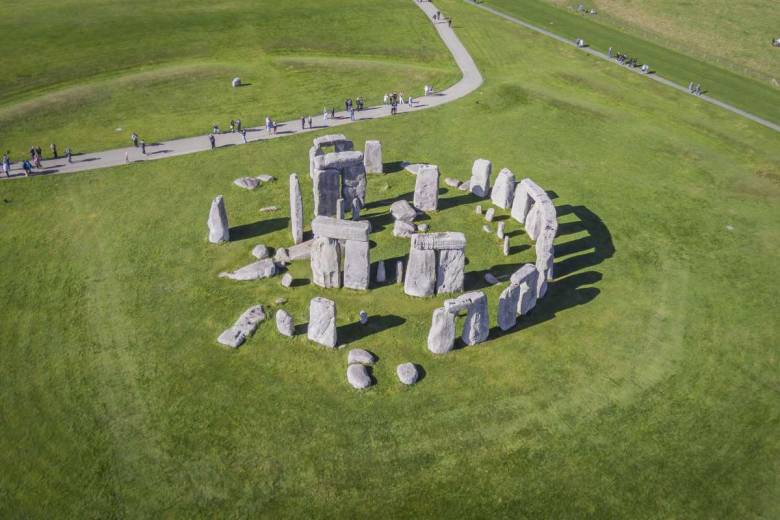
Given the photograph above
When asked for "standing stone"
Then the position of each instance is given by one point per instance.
(356, 207)
(403, 229)
(325, 262)
(477, 325)
(399, 272)
(426, 188)
(358, 376)
(326, 191)
(296, 209)
(357, 266)
(287, 280)
(542, 212)
(372, 157)
(340, 209)
(420, 273)
(360, 356)
(500, 230)
(507, 307)
(353, 184)
(450, 271)
(402, 210)
(489, 214)
(381, 275)
(479, 183)
(541, 285)
(478, 209)
(526, 278)
(219, 231)
(441, 336)
(522, 201)
(505, 248)
(503, 190)
(260, 251)
(322, 321)
(407, 373)
(284, 323)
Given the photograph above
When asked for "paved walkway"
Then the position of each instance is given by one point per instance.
(654, 77)
(470, 81)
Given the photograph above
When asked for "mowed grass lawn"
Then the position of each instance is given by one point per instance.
(645, 384)
(85, 74)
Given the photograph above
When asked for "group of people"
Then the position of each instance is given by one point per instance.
(34, 161)
(437, 17)
(694, 88)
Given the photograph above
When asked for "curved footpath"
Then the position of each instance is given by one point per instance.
(654, 77)
(470, 81)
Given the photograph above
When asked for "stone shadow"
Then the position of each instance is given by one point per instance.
(599, 240)
(261, 227)
(355, 331)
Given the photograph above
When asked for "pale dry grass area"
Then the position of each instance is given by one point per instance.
(733, 34)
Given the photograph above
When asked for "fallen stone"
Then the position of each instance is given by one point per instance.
(325, 262)
(260, 252)
(478, 209)
(296, 209)
(441, 336)
(248, 183)
(403, 229)
(280, 301)
(232, 338)
(358, 376)
(361, 357)
(503, 190)
(491, 279)
(330, 227)
(287, 280)
(486, 228)
(479, 183)
(489, 214)
(300, 251)
(322, 321)
(264, 177)
(269, 209)
(244, 327)
(422, 228)
(426, 189)
(363, 317)
(236, 82)
(219, 231)
(372, 157)
(402, 210)
(464, 186)
(453, 183)
(420, 273)
(381, 275)
(264, 268)
(407, 373)
(284, 323)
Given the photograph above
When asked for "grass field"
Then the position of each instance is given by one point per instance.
(86, 73)
(644, 386)
(664, 56)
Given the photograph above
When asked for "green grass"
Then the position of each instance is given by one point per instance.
(747, 93)
(88, 73)
(644, 386)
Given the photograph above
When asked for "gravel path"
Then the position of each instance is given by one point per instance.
(470, 81)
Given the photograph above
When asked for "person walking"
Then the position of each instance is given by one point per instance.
(238, 125)
(243, 135)
(7, 164)
(37, 159)
(303, 122)
(127, 157)
(53, 148)
(69, 154)
(352, 114)
(143, 147)
(325, 115)
(308, 119)
(134, 139)
(27, 168)
(274, 126)
(232, 126)
(212, 141)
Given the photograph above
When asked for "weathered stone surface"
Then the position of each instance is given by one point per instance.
(340, 208)
(264, 268)
(360, 356)
(322, 321)
(545, 253)
(245, 326)
(439, 241)
(477, 325)
(325, 256)
(503, 190)
(356, 207)
(381, 275)
(358, 376)
(465, 186)
(452, 183)
(478, 209)
(539, 214)
(372, 157)
(426, 189)
(402, 210)
(407, 373)
(314, 152)
(491, 279)
(479, 184)
(413, 168)
(260, 251)
(326, 187)
(219, 231)
(287, 280)
(399, 272)
(363, 317)
(489, 214)
(231, 337)
(330, 227)
(236, 82)
(282, 256)
(486, 228)
(357, 265)
(505, 248)
(285, 323)
(403, 229)
(507, 307)
(420, 273)
(248, 183)
(264, 177)
(527, 279)
(300, 251)
(522, 202)
(450, 270)
(333, 140)
(422, 228)
(353, 185)
(269, 209)
(296, 209)
(541, 285)
(339, 160)
(441, 336)
(500, 230)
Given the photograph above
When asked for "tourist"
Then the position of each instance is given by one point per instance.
(232, 126)
(27, 168)
(410, 101)
(243, 135)
(238, 125)
(325, 115)
(212, 141)
(303, 122)
(134, 139)
(7, 164)
(309, 120)
(332, 112)
(385, 100)
(53, 148)
(127, 157)
(274, 126)
(215, 129)
(143, 147)
(449, 22)
(268, 124)
(37, 159)
(609, 53)
(352, 114)
(69, 154)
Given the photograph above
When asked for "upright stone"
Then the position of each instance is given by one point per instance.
(399, 272)
(322, 321)
(326, 191)
(420, 273)
(340, 209)
(500, 230)
(441, 336)
(325, 262)
(522, 202)
(479, 184)
(526, 278)
(489, 214)
(353, 184)
(356, 207)
(357, 266)
(477, 326)
(296, 209)
(505, 249)
(372, 157)
(450, 271)
(219, 231)
(503, 190)
(426, 188)
(507, 307)
(381, 275)
(284, 323)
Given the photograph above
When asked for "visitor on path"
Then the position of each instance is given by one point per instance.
(268, 124)
(143, 147)
(127, 157)
(212, 141)
(332, 112)
(274, 127)
(303, 122)
(325, 115)
(232, 126)
(37, 159)
(449, 22)
(69, 154)
(7, 164)
(134, 139)
(411, 101)
(238, 125)
(309, 120)
(243, 135)
(385, 100)
(53, 148)
(215, 129)
(352, 114)
(27, 168)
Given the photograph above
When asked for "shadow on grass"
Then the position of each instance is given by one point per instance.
(355, 331)
(261, 227)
